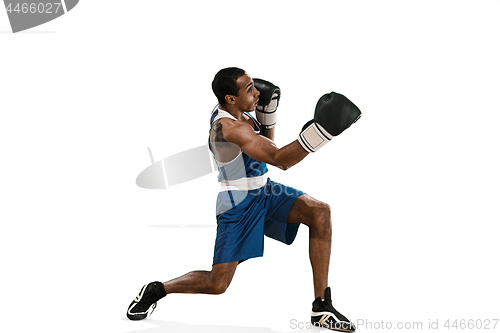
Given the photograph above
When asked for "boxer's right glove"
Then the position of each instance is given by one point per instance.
(334, 114)
(268, 103)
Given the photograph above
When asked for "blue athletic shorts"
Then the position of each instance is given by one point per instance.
(244, 217)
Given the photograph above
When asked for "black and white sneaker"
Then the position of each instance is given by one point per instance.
(145, 303)
(323, 314)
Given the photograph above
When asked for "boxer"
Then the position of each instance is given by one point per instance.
(250, 205)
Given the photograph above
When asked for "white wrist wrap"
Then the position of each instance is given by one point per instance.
(267, 120)
(266, 115)
(314, 137)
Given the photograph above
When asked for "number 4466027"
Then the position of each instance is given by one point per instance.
(471, 324)
(40, 8)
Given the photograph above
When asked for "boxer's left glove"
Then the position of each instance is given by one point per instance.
(334, 114)
(268, 102)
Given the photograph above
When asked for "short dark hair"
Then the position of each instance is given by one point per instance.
(224, 83)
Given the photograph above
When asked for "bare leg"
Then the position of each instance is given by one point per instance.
(214, 282)
(316, 215)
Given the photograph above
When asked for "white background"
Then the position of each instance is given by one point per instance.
(413, 186)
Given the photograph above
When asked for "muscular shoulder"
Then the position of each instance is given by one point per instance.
(236, 131)
(223, 150)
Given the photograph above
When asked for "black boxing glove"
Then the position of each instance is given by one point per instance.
(334, 114)
(268, 102)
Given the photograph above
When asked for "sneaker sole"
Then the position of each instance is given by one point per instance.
(321, 318)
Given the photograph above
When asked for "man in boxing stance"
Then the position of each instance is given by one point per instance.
(249, 204)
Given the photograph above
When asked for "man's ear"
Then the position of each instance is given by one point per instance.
(230, 99)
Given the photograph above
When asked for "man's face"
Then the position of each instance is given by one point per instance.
(248, 95)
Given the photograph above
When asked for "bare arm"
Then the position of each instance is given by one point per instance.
(268, 133)
(260, 147)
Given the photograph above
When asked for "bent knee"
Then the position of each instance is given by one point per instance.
(321, 217)
(325, 210)
(322, 212)
(221, 276)
(219, 287)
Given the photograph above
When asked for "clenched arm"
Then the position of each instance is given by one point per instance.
(261, 148)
